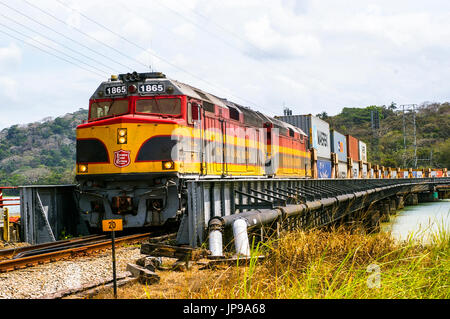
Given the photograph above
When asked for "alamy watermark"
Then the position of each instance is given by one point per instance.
(374, 279)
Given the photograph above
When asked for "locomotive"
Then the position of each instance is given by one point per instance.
(146, 135)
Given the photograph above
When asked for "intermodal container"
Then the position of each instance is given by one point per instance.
(324, 168)
(355, 170)
(317, 130)
(339, 145)
(362, 151)
(352, 148)
(417, 174)
(342, 170)
(364, 171)
(436, 173)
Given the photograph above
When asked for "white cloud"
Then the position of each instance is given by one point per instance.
(8, 89)
(10, 56)
(274, 44)
(312, 55)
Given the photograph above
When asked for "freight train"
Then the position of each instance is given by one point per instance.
(146, 135)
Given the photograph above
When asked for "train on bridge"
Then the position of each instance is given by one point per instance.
(147, 136)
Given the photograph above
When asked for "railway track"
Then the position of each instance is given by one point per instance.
(23, 257)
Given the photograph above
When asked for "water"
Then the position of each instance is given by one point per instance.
(420, 221)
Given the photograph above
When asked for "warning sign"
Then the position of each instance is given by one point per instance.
(112, 224)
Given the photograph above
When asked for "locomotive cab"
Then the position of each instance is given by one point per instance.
(125, 151)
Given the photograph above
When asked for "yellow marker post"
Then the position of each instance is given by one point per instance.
(113, 225)
(6, 236)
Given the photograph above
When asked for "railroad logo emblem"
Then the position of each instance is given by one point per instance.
(122, 158)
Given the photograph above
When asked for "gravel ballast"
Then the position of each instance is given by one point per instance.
(44, 280)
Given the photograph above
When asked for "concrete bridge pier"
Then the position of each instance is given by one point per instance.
(412, 199)
(370, 217)
(393, 206)
(400, 202)
(385, 210)
(427, 197)
(444, 194)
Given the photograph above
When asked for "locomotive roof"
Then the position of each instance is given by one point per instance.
(251, 117)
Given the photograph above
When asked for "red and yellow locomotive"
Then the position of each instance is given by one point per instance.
(147, 134)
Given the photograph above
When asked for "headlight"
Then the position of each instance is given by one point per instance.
(82, 168)
(168, 165)
(122, 136)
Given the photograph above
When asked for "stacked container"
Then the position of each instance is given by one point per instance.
(353, 153)
(339, 147)
(319, 139)
(417, 174)
(363, 157)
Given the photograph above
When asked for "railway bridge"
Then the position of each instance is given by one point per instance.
(222, 210)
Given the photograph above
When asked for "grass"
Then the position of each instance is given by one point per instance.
(339, 264)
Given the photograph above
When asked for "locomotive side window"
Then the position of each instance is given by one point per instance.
(109, 108)
(159, 106)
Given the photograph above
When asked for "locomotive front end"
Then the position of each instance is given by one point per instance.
(126, 165)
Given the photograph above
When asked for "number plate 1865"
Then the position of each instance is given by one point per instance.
(116, 90)
(151, 88)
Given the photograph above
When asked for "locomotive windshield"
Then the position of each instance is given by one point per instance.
(108, 108)
(163, 106)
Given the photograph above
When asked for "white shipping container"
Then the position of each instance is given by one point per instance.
(342, 170)
(321, 137)
(318, 132)
(364, 172)
(362, 151)
(355, 170)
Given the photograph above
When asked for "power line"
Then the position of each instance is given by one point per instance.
(63, 35)
(59, 51)
(56, 42)
(197, 25)
(220, 38)
(84, 33)
(235, 35)
(50, 53)
(157, 56)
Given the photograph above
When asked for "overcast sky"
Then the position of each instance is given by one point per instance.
(310, 56)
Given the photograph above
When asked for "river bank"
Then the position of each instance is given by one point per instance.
(419, 222)
(341, 263)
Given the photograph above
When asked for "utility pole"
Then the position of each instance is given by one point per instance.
(415, 137)
(404, 137)
(410, 108)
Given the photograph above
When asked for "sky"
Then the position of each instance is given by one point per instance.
(311, 56)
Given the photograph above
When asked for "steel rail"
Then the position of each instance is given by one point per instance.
(10, 253)
(30, 261)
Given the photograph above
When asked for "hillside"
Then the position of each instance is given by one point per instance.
(386, 145)
(41, 152)
(44, 152)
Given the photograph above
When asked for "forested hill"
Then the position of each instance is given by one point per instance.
(386, 145)
(41, 152)
(44, 152)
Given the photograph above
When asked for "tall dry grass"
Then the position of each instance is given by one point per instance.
(337, 264)
(341, 263)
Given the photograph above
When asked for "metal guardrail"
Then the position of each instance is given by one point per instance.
(6, 220)
(220, 198)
